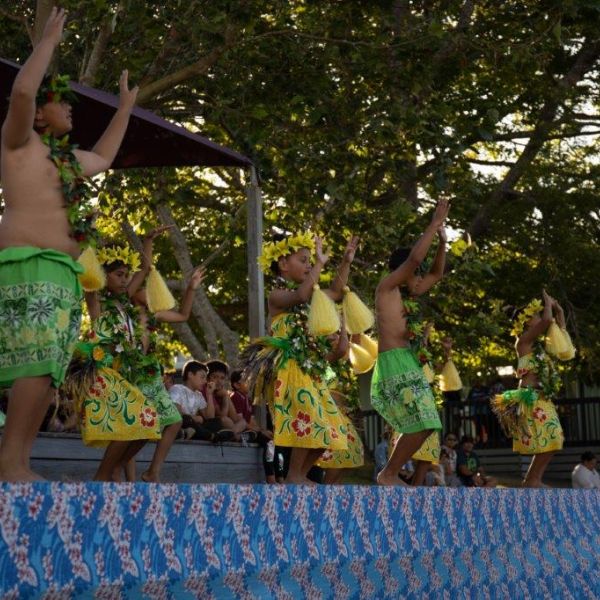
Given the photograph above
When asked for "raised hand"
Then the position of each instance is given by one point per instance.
(441, 212)
(321, 256)
(548, 299)
(442, 234)
(53, 30)
(351, 248)
(197, 277)
(126, 96)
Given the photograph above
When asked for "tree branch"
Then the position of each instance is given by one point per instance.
(200, 67)
(584, 60)
(106, 30)
(19, 19)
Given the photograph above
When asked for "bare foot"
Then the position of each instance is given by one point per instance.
(18, 474)
(385, 479)
(149, 478)
(534, 484)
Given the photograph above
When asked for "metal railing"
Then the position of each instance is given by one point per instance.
(580, 419)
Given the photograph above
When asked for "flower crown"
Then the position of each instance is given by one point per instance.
(534, 307)
(55, 89)
(111, 254)
(273, 251)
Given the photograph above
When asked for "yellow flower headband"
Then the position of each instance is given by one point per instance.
(111, 254)
(273, 251)
(534, 307)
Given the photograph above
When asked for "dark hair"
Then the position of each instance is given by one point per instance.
(277, 237)
(113, 266)
(217, 366)
(191, 367)
(466, 439)
(587, 456)
(236, 376)
(398, 257)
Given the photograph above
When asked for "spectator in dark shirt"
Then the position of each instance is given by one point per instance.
(469, 468)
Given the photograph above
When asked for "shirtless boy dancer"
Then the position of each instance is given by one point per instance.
(399, 390)
(40, 295)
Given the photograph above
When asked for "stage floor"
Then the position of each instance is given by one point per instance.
(86, 540)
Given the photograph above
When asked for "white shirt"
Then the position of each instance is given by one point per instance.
(583, 478)
(188, 400)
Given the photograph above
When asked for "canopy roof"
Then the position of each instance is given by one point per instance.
(150, 141)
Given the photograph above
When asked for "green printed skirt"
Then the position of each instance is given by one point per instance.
(400, 392)
(40, 313)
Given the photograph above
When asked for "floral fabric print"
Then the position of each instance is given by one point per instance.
(40, 313)
(303, 411)
(400, 392)
(545, 431)
(351, 458)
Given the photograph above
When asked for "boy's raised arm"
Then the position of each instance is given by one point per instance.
(102, 155)
(19, 121)
(419, 251)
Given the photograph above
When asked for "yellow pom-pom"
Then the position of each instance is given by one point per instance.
(428, 372)
(568, 354)
(369, 344)
(449, 378)
(556, 342)
(158, 294)
(360, 359)
(357, 315)
(93, 277)
(323, 318)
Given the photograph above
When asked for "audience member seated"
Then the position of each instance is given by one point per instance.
(224, 410)
(469, 468)
(198, 411)
(243, 406)
(448, 460)
(584, 475)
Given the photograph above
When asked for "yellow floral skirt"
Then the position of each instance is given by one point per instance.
(114, 410)
(428, 452)
(546, 433)
(351, 458)
(304, 413)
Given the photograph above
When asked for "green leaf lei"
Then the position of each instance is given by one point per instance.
(545, 369)
(415, 327)
(308, 351)
(75, 189)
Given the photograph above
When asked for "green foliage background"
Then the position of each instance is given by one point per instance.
(357, 115)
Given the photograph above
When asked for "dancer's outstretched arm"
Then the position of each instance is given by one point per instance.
(336, 290)
(530, 335)
(103, 153)
(147, 258)
(183, 314)
(18, 125)
(437, 269)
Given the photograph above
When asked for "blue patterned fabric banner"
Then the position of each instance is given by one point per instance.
(80, 540)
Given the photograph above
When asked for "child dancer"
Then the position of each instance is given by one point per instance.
(148, 377)
(527, 414)
(399, 390)
(46, 219)
(289, 368)
(113, 411)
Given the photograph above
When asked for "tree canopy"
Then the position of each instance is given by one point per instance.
(358, 115)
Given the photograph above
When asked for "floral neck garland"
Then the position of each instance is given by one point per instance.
(543, 366)
(415, 326)
(127, 332)
(75, 189)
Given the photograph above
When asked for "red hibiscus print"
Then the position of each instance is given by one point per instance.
(278, 385)
(334, 434)
(525, 440)
(351, 438)
(540, 415)
(301, 424)
(148, 417)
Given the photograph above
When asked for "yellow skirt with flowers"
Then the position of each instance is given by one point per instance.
(351, 458)
(428, 452)
(304, 413)
(109, 407)
(530, 419)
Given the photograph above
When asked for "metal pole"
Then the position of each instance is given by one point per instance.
(256, 285)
